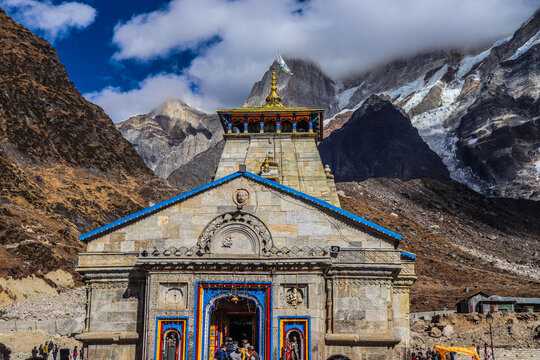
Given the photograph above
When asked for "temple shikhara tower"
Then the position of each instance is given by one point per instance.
(263, 256)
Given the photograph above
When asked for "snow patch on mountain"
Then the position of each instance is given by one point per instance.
(442, 140)
(468, 62)
(405, 90)
(421, 93)
(535, 40)
(344, 97)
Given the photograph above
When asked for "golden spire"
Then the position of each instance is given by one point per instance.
(273, 99)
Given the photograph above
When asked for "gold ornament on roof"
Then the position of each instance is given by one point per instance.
(269, 166)
(273, 99)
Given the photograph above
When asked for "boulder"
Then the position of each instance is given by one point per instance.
(435, 332)
(448, 331)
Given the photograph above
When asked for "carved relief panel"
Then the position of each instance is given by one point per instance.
(235, 233)
(294, 295)
(172, 296)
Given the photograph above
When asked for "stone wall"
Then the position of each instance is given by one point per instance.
(291, 222)
(298, 159)
(65, 327)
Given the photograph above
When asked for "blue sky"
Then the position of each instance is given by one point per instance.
(92, 68)
(129, 56)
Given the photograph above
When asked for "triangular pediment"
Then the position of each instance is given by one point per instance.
(259, 215)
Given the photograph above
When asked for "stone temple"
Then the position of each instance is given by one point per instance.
(263, 253)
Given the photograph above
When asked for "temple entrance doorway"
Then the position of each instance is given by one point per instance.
(233, 317)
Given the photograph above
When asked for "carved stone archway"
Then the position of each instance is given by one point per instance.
(236, 233)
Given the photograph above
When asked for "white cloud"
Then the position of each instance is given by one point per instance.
(53, 20)
(342, 35)
(150, 93)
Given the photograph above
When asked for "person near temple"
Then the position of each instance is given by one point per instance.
(75, 353)
(252, 354)
(51, 346)
(221, 353)
(236, 354)
(244, 348)
(34, 352)
(46, 350)
(5, 352)
(55, 352)
(229, 345)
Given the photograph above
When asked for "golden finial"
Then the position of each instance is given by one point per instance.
(273, 99)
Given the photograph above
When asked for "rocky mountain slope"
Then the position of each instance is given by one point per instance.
(308, 86)
(171, 135)
(464, 241)
(64, 167)
(199, 170)
(379, 141)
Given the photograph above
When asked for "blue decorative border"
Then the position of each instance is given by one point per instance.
(186, 332)
(405, 255)
(307, 331)
(199, 189)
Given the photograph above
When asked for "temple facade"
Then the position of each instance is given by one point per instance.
(263, 255)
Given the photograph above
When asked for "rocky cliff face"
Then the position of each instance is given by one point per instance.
(200, 170)
(171, 135)
(379, 141)
(308, 86)
(64, 167)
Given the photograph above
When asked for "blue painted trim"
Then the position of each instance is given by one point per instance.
(405, 255)
(155, 208)
(186, 332)
(292, 317)
(275, 185)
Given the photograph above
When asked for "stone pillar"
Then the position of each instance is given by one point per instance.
(245, 126)
(261, 127)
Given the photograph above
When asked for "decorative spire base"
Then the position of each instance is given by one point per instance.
(273, 99)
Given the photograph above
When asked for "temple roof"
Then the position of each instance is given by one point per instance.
(268, 109)
(273, 103)
(345, 215)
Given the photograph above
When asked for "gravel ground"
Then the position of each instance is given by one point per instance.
(68, 304)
